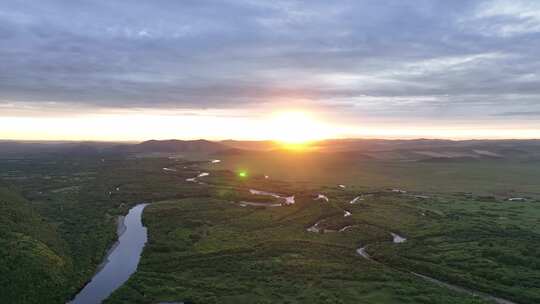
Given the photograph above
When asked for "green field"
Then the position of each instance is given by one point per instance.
(65, 211)
(206, 246)
(500, 177)
(212, 251)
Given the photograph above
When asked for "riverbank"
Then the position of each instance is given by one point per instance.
(121, 260)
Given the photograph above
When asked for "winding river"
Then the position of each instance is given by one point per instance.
(121, 261)
(486, 296)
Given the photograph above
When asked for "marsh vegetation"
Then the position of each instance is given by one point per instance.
(272, 234)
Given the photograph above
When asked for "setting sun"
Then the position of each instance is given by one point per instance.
(296, 128)
(249, 151)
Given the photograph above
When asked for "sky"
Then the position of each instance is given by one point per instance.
(248, 69)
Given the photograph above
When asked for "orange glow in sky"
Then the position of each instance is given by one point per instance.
(298, 127)
(289, 126)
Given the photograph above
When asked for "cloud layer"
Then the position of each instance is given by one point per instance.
(425, 58)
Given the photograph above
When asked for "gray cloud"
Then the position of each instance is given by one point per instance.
(466, 58)
(520, 114)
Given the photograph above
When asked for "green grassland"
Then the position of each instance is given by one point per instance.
(504, 177)
(59, 218)
(491, 246)
(213, 251)
(205, 247)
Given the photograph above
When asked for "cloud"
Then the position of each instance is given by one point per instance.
(507, 18)
(463, 58)
(520, 114)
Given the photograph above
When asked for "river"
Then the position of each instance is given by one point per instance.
(121, 261)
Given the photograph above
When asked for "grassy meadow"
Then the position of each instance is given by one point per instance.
(211, 240)
(214, 251)
(500, 177)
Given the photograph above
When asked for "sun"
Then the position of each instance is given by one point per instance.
(295, 128)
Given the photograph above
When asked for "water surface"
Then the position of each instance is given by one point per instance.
(120, 263)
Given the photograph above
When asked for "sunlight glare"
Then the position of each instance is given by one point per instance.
(296, 129)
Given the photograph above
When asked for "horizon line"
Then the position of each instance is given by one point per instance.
(265, 140)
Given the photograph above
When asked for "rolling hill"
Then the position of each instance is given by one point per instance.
(33, 263)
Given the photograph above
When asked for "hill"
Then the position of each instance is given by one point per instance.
(33, 263)
(200, 146)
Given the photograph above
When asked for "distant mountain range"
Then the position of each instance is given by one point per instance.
(174, 146)
(426, 150)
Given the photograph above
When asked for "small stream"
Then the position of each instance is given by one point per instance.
(121, 261)
(464, 290)
(363, 253)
